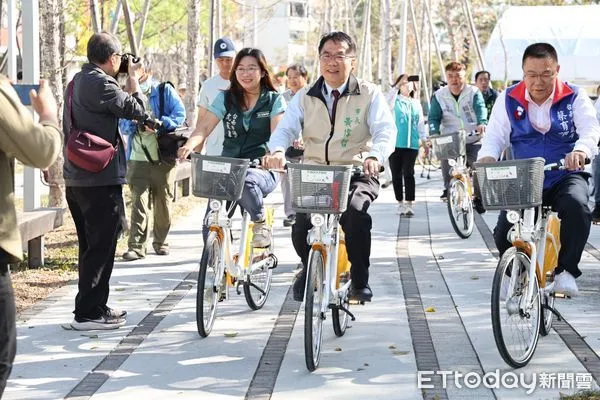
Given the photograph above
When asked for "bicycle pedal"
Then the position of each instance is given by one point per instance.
(357, 302)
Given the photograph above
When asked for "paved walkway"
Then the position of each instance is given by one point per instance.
(430, 312)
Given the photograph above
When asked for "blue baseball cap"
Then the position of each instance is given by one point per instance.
(224, 47)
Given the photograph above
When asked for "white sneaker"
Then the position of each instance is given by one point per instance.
(104, 322)
(400, 209)
(408, 211)
(261, 235)
(565, 283)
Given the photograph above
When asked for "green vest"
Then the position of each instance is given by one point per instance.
(251, 143)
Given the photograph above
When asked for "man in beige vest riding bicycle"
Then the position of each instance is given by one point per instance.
(343, 121)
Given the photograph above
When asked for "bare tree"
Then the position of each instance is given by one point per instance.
(364, 64)
(193, 58)
(385, 44)
(51, 69)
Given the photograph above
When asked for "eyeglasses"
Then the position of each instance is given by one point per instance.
(546, 76)
(249, 70)
(326, 57)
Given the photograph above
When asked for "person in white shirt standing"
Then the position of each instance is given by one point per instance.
(297, 78)
(224, 52)
(544, 117)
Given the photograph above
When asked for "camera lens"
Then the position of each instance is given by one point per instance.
(124, 67)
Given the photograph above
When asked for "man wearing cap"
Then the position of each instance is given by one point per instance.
(224, 52)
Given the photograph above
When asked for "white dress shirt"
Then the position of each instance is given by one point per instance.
(379, 120)
(497, 136)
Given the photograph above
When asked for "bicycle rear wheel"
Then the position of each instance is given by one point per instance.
(460, 208)
(548, 316)
(313, 320)
(427, 160)
(340, 318)
(258, 283)
(207, 293)
(516, 325)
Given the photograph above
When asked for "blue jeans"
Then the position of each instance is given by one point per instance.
(259, 183)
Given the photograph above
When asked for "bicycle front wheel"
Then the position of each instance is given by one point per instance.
(313, 320)
(460, 208)
(207, 293)
(515, 322)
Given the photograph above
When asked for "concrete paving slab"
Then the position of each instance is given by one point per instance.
(375, 359)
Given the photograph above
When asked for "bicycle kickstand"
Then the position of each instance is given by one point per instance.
(553, 311)
(344, 309)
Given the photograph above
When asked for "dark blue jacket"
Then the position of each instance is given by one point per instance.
(555, 144)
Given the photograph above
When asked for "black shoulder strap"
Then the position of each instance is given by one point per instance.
(161, 99)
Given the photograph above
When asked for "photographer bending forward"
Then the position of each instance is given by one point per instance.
(250, 110)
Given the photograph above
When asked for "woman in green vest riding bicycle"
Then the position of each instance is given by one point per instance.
(250, 111)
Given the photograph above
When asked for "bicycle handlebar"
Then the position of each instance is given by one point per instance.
(560, 166)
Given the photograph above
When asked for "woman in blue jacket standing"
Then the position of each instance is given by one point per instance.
(408, 115)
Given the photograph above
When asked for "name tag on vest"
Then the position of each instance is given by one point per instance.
(262, 114)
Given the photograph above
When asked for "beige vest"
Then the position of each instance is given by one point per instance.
(349, 140)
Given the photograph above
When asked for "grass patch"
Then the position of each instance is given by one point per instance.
(584, 395)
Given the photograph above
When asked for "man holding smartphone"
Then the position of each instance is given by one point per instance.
(36, 145)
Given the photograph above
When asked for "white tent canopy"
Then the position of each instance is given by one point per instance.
(573, 30)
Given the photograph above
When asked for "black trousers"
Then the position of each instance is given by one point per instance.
(97, 215)
(569, 198)
(8, 330)
(356, 223)
(402, 166)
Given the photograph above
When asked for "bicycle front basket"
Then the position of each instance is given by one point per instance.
(319, 188)
(449, 146)
(218, 177)
(512, 184)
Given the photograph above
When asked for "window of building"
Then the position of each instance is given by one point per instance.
(298, 9)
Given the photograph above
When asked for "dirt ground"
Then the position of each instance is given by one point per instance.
(33, 285)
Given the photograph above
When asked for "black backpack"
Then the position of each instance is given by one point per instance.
(169, 141)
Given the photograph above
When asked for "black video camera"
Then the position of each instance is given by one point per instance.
(124, 67)
(152, 123)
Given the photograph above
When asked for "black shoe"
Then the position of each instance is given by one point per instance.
(361, 294)
(114, 312)
(298, 286)
(478, 205)
(444, 195)
(596, 213)
(289, 221)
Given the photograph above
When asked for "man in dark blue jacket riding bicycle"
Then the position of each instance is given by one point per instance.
(544, 117)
